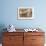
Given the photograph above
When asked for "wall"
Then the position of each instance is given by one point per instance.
(9, 13)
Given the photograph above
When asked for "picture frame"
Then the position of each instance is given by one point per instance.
(25, 13)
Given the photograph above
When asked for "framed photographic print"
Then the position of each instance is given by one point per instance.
(25, 13)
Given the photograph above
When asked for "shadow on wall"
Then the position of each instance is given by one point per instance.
(2, 26)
